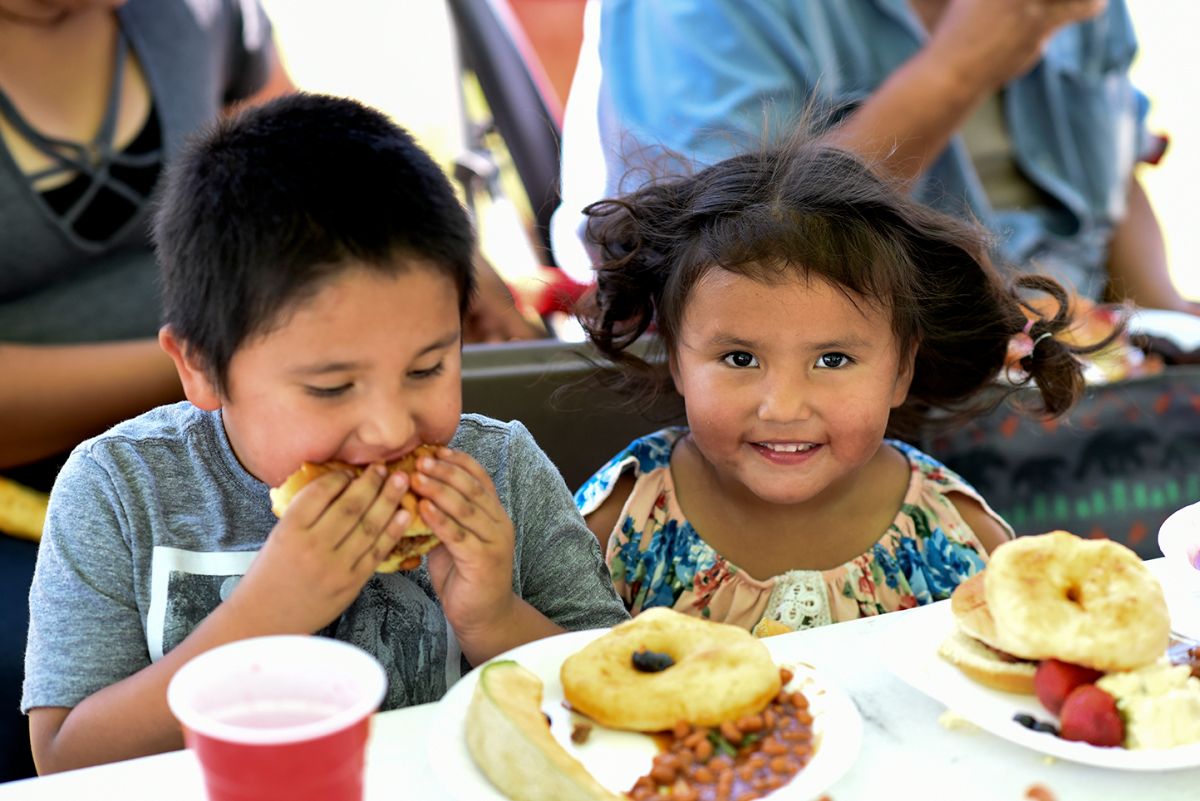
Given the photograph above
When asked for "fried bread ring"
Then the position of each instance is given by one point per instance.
(720, 672)
(1090, 602)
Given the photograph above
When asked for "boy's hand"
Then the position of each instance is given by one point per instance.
(336, 531)
(472, 572)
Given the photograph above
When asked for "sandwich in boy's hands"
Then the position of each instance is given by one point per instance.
(416, 539)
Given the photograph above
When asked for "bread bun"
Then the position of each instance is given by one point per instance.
(418, 538)
(1089, 602)
(972, 647)
(968, 603)
(986, 665)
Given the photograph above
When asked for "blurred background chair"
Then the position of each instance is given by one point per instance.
(504, 47)
(562, 393)
(524, 105)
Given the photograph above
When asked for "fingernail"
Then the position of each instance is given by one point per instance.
(400, 480)
(380, 470)
(426, 463)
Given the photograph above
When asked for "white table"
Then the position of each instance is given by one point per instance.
(906, 753)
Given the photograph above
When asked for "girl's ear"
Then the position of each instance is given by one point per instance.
(197, 386)
(904, 376)
(673, 367)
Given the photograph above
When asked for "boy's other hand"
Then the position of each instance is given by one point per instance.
(472, 571)
(336, 531)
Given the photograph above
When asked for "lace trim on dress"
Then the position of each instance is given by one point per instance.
(800, 600)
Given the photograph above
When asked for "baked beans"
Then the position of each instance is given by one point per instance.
(737, 761)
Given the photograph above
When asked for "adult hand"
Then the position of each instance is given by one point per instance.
(993, 41)
(493, 315)
(336, 531)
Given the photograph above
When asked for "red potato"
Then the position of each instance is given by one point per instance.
(1090, 715)
(1055, 680)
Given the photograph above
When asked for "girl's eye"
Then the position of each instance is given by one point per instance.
(740, 358)
(327, 392)
(428, 372)
(833, 360)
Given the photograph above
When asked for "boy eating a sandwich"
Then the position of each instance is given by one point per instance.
(315, 269)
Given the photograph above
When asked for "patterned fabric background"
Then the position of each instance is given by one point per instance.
(1116, 466)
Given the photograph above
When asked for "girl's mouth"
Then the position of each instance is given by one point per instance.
(786, 452)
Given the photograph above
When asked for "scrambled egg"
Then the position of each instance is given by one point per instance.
(1160, 704)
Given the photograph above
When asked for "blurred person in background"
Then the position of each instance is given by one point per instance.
(1018, 113)
(96, 96)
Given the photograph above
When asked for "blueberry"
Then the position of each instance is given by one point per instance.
(1045, 728)
(1027, 721)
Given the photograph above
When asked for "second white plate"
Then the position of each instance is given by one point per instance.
(910, 650)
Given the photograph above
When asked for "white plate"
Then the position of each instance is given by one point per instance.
(910, 651)
(1179, 541)
(616, 758)
(1180, 327)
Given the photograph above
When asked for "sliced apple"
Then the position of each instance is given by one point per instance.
(510, 741)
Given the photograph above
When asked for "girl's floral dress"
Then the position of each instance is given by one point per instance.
(657, 559)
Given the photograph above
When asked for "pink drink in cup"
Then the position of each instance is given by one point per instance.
(282, 717)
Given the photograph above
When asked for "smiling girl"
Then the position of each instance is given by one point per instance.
(808, 311)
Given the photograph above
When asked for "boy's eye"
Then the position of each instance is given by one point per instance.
(327, 392)
(740, 358)
(833, 360)
(429, 372)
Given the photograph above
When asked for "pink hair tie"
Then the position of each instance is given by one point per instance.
(1021, 345)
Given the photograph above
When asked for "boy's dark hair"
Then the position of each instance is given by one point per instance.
(271, 202)
(809, 209)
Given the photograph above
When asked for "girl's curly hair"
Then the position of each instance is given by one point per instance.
(813, 210)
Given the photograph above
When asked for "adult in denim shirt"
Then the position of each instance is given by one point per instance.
(914, 83)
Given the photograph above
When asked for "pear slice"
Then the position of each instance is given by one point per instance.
(511, 743)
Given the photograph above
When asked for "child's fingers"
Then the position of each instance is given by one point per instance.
(379, 514)
(381, 547)
(445, 527)
(447, 505)
(347, 511)
(460, 486)
(313, 499)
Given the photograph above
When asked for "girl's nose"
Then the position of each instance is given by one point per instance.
(786, 399)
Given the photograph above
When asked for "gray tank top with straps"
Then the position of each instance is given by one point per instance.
(60, 279)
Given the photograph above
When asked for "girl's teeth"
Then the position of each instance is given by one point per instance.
(781, 448)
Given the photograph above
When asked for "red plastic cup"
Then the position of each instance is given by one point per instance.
(282, 717)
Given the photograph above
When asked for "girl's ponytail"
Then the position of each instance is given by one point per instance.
(629, 277)
(637, 238)
(1047, 358)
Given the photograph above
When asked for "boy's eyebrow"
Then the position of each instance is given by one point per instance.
(342, 367)
(450, 339)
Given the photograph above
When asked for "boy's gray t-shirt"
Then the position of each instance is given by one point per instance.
(153, 523)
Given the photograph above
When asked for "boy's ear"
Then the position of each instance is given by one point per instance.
(197, 386)
(905, 376)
